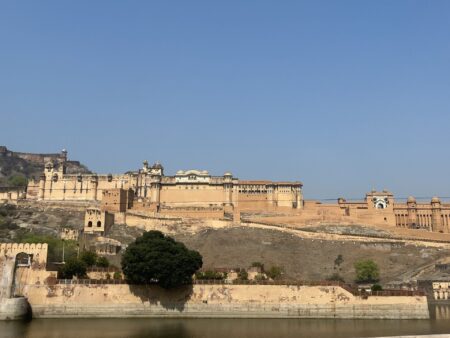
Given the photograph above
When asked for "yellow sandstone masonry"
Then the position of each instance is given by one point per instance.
(198, 194)
(268, 301)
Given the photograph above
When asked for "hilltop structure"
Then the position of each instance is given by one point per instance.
(197, 193)
(35, 158)
(380, 208)
(150, 187)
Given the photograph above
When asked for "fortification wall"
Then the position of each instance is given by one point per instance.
(33, 189)
(194, 213)
(183, 195)
(14, 308)
(255, 202)
(11, 306)
(11, 194)
(7, 265)
(39, 251)
(69, 187)
(149, 223)
(34, 157)
(314, 213)
(39, 158)
(217, 301)
(34, 274)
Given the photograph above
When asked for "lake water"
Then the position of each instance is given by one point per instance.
(225, 328)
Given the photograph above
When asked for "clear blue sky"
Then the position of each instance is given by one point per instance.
(345, 96)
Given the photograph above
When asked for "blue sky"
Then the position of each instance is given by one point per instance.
(345, 96)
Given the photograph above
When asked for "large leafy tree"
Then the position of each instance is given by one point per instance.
(17, 181)
(89, 258)
(157, 258)
(367, 271)
(73, 267)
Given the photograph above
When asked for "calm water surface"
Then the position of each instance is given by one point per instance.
(225, 328)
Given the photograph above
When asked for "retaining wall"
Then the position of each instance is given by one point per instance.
(14, 308)
(237, 301)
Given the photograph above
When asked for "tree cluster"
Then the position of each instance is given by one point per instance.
(17, 181)
(155, 258)
(77, 266)
(210, 275)
(367, 271)
(274, 272)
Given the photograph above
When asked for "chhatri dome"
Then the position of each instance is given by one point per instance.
(411, 199)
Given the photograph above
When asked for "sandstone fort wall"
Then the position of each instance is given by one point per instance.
(34, 157)
(39, 251)
(265, 301)
(11, 194)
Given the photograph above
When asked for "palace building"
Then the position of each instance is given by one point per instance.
(150, 187)
(197, 193)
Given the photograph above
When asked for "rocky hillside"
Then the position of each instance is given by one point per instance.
(14, 170)
(301, 257)
(17, 221)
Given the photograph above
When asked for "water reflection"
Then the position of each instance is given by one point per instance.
(225, 328)
(440, 312)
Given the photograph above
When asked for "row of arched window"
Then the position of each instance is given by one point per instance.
(423, 220)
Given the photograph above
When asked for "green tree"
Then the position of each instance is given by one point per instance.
(157, 258)
(260, 277)
(366, 271)
(55, 246)
(17, 181)
(243, 275)
(73, 267)
(377, 287)
(274, 272)
(209, 275)
(102, 262)
(89, 258)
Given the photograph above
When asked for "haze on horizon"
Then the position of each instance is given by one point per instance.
(344, 96)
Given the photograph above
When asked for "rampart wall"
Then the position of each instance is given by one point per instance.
(34, 157)
(39, 250)
(150, 222)
(11, 194)
(194, 212)
(11, 273)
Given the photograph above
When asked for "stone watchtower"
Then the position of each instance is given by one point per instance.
(155, 187)
(436, 221)
(412, 212)
(94, 187)
(63, 155)
(228, 189)
(156, 173)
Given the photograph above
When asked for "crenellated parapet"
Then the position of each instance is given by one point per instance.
(37, 250)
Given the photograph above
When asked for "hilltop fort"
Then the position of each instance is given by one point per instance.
(233, 223)
(197, 193)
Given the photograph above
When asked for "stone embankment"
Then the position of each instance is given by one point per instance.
(14, 308)
(11, 308)
(233, 301)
